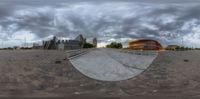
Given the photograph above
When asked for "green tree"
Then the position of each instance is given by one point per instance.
(114, 45)
(88, 45)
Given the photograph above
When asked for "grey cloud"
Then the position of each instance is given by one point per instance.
(53, 2)
(105, 21)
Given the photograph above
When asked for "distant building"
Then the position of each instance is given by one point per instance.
(145, 44)
(73, 44)
(37, 46)
(172, 47)
(16, 47)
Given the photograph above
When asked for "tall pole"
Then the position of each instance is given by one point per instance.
(182, 41)
(25, 42)
(2, 43)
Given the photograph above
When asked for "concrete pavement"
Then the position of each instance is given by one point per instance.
(111, 64)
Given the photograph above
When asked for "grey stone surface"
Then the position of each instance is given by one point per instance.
(112, 65)
(132, 59)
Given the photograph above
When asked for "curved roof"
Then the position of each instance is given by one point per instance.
(144, 40)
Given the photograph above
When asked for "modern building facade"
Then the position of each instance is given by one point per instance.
(145, 44)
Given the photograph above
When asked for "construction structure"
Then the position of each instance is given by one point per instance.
(55, 43)
(145, 44)
(51, 44)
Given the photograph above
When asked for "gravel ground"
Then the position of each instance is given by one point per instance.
(42, 73)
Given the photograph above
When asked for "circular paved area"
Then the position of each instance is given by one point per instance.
(112, 65)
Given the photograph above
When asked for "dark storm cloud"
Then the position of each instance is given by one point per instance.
(108, 20)
(4, 11)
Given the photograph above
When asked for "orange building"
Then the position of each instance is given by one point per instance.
(145, 44)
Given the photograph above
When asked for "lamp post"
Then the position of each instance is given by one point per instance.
(182, 41)
(2, 43)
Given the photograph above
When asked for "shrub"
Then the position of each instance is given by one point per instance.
(88, 45)
(114, 45)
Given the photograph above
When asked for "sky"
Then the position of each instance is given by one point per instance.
(167, 21)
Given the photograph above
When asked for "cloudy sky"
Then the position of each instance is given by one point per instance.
(168, 21)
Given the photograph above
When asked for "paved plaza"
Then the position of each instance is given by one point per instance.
(111, 64)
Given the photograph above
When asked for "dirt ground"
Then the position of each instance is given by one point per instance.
(42, 73)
